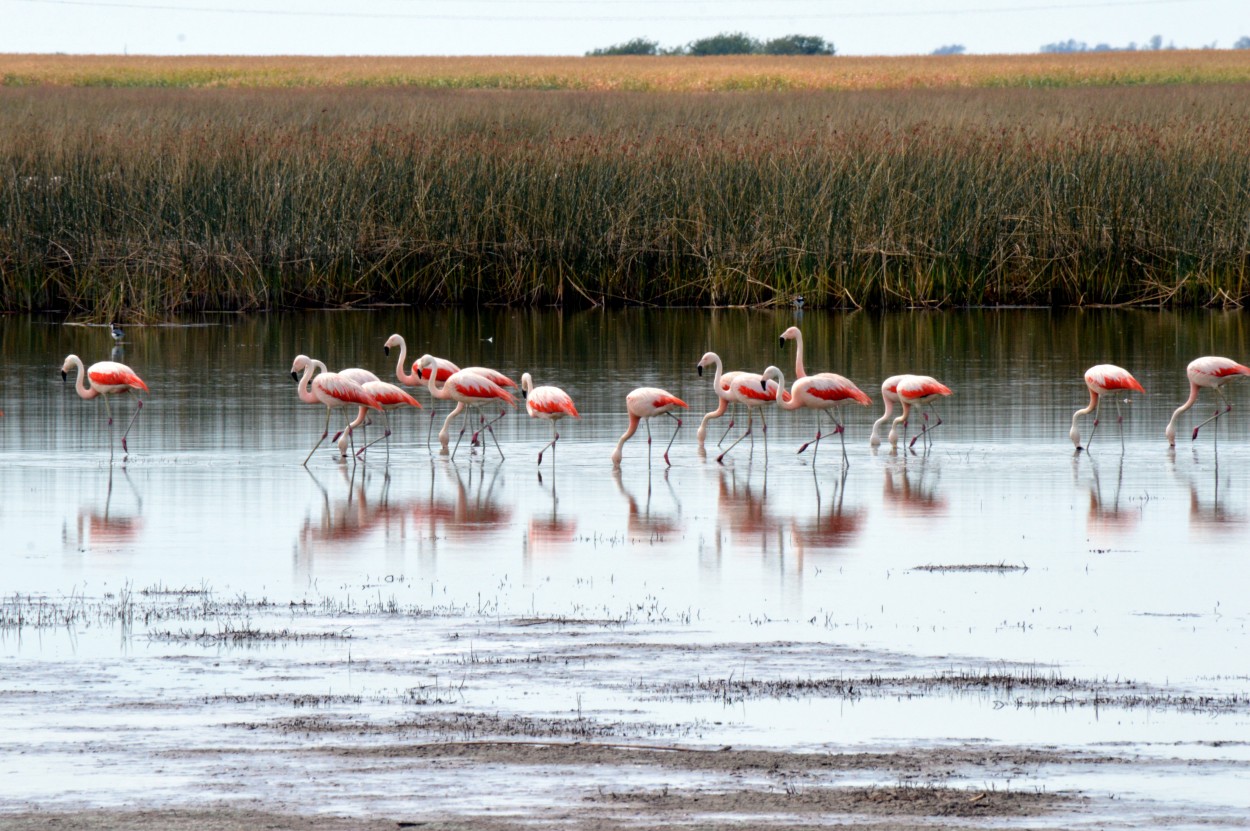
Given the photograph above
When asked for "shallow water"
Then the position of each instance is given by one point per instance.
(448, 576)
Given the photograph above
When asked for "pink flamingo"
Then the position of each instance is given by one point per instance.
(107, 378)
(647, 403)
(754, 392)
(916, 391)
(1211, 372)
(444, 368)
(468, 389)
(492, 375)
(794, 334)
(328, 388)
(390, 397)
(550, 403)
(1102, 379)
(720, 383)
(889, 394)
(823, 392)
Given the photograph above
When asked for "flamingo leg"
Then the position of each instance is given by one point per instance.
(458, 438)
(750, 419)
(727, 428)
(1119, 418)
(765, 430)
(485, 425)
(324, 433)
(138, 409)
(1092, 433)
(555, 437)
(841, 431)
(429, 429)
(670, 441)
(491, 430)
(1227, 408)
(815, 441)
(385, 435)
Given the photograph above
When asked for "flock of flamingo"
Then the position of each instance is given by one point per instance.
(361, 391)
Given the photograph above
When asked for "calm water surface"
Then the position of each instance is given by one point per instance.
(1125, 564)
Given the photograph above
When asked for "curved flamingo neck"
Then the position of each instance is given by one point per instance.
(437, 391)
(1170, 432)
(411, 378)
(799, 371)
(305, 382)
(79, 386)
(780, 378)
(876, 425)
(629, 432)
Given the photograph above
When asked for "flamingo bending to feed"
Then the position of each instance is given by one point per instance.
(889, 393)
(754, 392)
(550, 403)
(824, 392)
(444, 369)
(646, 403)
(107, 378)
(1211, 372)
(390, 397)
(329, 388)
(916, 391)
(1102, 379)
(720, 383)
(468, 389)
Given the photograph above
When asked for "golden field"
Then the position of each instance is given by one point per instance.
(672, 74)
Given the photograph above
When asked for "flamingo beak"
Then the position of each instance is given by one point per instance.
(294, 375)
(386, 350)
(764, 384)
(783, 342)
(64, 376)
(525, 395)
(699, 369)
(417, 369)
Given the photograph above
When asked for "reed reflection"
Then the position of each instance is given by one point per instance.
(115, 526)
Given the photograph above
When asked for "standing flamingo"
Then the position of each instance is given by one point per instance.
(390, 397)
(493, 375)
(467, 389)
(794, 334)
(916, 391)
(1102, 379)
(647, 403)
(328, 388)
(444, 370)
(823, 392)
(550, 403)
(1209, 372)
(107, 378)
(720, 384)
(753, 392)
(889, 394)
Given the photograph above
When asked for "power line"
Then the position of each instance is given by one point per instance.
(608, 18)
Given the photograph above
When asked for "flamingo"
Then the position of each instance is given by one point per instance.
(390, 397)
(329, 388)
(1209, 372)
(794, 334)
(107, 378)
(720, 383)
(1102, 379)
(550, 403)
(492, 375)
(647, 403)
(823, 392)
(889, 394)
(753, 392)
(443, 367)
(916, 391)
(468, 389)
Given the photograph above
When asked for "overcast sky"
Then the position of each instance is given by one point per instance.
(571, 27)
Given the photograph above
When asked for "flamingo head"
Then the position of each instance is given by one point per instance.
(708, 359)
(67, 366)
(421, 364)
(301, 363)
(393, 340)
(527, 384)
(774, 374)
(789, 334)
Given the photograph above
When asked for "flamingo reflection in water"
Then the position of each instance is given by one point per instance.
(643, 523)
(1209, 505)
(549, 532)
(1109, 512)
(912, 488)
(110, 529)
(834, 528)
(742, 508)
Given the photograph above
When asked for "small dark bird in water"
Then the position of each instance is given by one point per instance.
(116, 331)
(797, 302)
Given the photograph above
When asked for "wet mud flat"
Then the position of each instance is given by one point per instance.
(173, 708)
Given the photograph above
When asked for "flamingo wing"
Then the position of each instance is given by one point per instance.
(1213, 367)
(389, 395)
(1111, 377)
(832, 387)
(345, 390)
(920, 386)
(493, 375)
(113, 374)
(550, 400)
(472, 386)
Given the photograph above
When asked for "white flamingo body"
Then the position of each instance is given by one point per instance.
(107, 378)
(1101, 380)
(824, 392)
(916, 391)
(389, 397)
(644, 404)
(444, 369)
(754, 391)
(1209, 372)
(548, 403)
(330, 389)
(467, 389)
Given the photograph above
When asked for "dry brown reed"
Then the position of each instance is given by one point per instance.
(149, 202)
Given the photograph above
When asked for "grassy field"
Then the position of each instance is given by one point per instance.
(146, 202)
(637, 74)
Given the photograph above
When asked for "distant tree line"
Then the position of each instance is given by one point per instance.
(725, 43)
(1154, 44)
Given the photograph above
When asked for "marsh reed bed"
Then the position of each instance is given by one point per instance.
(153, 201)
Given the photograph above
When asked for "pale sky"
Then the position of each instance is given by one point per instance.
(571, 27)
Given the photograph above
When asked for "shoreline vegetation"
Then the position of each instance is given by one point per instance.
(1117, 178)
